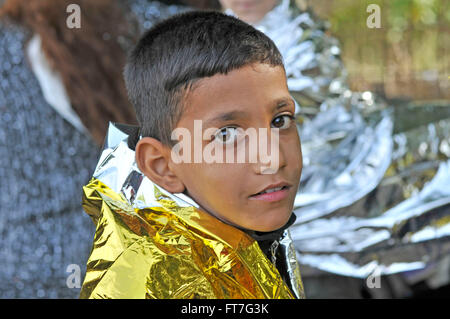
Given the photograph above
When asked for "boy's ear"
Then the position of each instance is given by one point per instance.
(152, 158)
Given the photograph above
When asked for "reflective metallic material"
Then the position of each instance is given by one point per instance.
(43, 230)
(150, 243)
(374, 190)
(311, 57)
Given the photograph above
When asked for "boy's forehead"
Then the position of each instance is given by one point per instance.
(256, 82)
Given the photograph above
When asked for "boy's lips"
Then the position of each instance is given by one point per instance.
(273, 192)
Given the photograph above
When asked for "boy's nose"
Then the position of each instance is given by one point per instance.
(271, 157)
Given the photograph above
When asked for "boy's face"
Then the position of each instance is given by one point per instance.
(254, 96)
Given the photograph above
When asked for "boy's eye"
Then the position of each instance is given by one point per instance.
(226, 135)
(283, 121)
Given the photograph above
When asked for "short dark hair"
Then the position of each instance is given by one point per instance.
(175, 53)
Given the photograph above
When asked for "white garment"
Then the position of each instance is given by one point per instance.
(51, 84)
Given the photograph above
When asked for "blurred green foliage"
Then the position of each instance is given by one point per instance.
(411, 45)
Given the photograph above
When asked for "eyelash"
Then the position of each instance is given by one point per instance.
(291, 117)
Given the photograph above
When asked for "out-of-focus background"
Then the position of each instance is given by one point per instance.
(373, 207)
(408, 57)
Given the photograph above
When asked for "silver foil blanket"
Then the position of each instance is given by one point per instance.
(375, 185)
(376, 181)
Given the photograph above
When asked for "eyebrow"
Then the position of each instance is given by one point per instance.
(235, 115)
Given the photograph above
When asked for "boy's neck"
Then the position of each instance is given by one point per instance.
(272, 235)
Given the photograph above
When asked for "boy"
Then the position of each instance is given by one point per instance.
(199, 228)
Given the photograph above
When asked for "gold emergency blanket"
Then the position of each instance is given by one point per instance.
(153, 245)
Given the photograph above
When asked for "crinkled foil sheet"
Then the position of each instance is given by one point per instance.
(150, 243)
(375, 188)
(401, 178)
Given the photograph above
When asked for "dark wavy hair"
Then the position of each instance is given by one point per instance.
(90, 60)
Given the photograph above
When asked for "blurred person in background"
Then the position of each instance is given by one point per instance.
(250, 11)
(59, 87)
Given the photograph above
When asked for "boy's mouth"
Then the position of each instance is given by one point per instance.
(273, 192)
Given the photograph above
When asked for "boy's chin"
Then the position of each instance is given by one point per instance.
(269, 227)
(270, 222)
